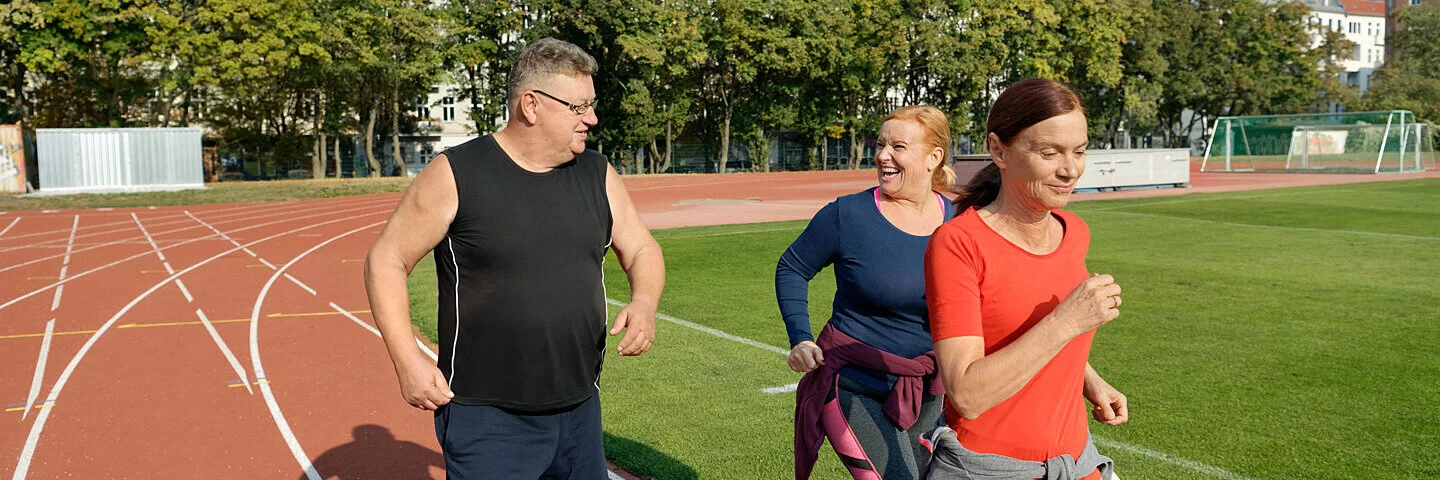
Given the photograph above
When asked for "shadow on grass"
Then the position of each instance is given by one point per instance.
(640, 459)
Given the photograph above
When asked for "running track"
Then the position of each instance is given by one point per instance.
(233, 341)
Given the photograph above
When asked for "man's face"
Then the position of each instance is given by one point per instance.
(559, 121)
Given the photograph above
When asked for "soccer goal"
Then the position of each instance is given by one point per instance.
(1361, 142)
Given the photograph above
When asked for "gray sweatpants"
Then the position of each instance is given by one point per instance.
(897, 454)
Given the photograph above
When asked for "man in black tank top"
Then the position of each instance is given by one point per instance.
(520, 222)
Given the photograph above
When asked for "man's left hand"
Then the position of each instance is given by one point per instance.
(638, 321)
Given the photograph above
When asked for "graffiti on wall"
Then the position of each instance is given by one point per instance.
(12, 159)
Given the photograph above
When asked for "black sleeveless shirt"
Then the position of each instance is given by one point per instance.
(522, 295)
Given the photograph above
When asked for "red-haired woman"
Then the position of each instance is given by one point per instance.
(871, 372)
(1013, 307)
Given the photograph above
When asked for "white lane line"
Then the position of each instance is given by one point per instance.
(55, 304)
(219, 342)
(258, 368)
(781, 389)
(220, 233)
(742, 232)
(70, 245)
(148, 237)
(39, 369)
(1274, 227)
(613, 476)
(27, 454)
(268, 264)
(168, 269)
(718, 333)
(247, 214)
(65, 266)
(185, 242)
(371, 328)
(141, 254)
(11, 225)
(1171, 459)
(300, 284)
(245, 211)
(249, 252)
(186, 291)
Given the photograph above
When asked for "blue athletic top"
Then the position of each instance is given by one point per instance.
(879, 280)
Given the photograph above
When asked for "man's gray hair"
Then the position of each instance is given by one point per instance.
(543, 59)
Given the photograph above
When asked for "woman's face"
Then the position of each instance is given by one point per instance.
(904, 161)
(1040, 166)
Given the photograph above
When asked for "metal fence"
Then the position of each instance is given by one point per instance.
(81, 160)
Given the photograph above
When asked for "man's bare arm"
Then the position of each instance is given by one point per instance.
(417, 225)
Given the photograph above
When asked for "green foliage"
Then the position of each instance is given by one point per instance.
(719, 71)
(1410, 79)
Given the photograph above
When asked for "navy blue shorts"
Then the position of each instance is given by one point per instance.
(490, 442)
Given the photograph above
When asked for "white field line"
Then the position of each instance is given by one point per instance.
(1216, 198)
(11, 225)
(39, 369)
(1275, 227)
(22, 466)
(259, 368)
(781, 389)
(138, 255)
(742, 232)
(185, 242)
(1173, 460)
(712, 331)
(1189, 464)
(225, 349)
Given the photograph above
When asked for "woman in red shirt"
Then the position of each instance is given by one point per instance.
(1013, 308)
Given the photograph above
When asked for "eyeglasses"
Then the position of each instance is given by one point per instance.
(579, 109)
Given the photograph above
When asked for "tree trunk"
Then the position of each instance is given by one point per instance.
(395, 134)
(317, 161)
(669, 138)
(337, 156)
(724, 144)
(654, 157)
(764, 157)
(370, 142)
(824, 153)
(854, 150)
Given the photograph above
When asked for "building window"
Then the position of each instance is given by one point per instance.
(1354, 27)
(423, 112)
(447, 109)
(1415, 2)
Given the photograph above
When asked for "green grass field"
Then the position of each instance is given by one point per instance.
(227, 192)
(1277, 334)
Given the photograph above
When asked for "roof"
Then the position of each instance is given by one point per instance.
(1371, 8)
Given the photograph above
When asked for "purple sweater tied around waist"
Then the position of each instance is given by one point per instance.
(902, 406)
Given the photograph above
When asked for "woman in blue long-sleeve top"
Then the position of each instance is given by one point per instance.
(870, 383)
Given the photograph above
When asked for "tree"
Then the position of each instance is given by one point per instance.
(1410, 79)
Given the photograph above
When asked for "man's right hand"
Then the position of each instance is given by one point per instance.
(422, 385)
(806, 356)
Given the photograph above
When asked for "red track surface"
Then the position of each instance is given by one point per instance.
(149, 393)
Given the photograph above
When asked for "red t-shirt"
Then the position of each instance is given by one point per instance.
(977, 283)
